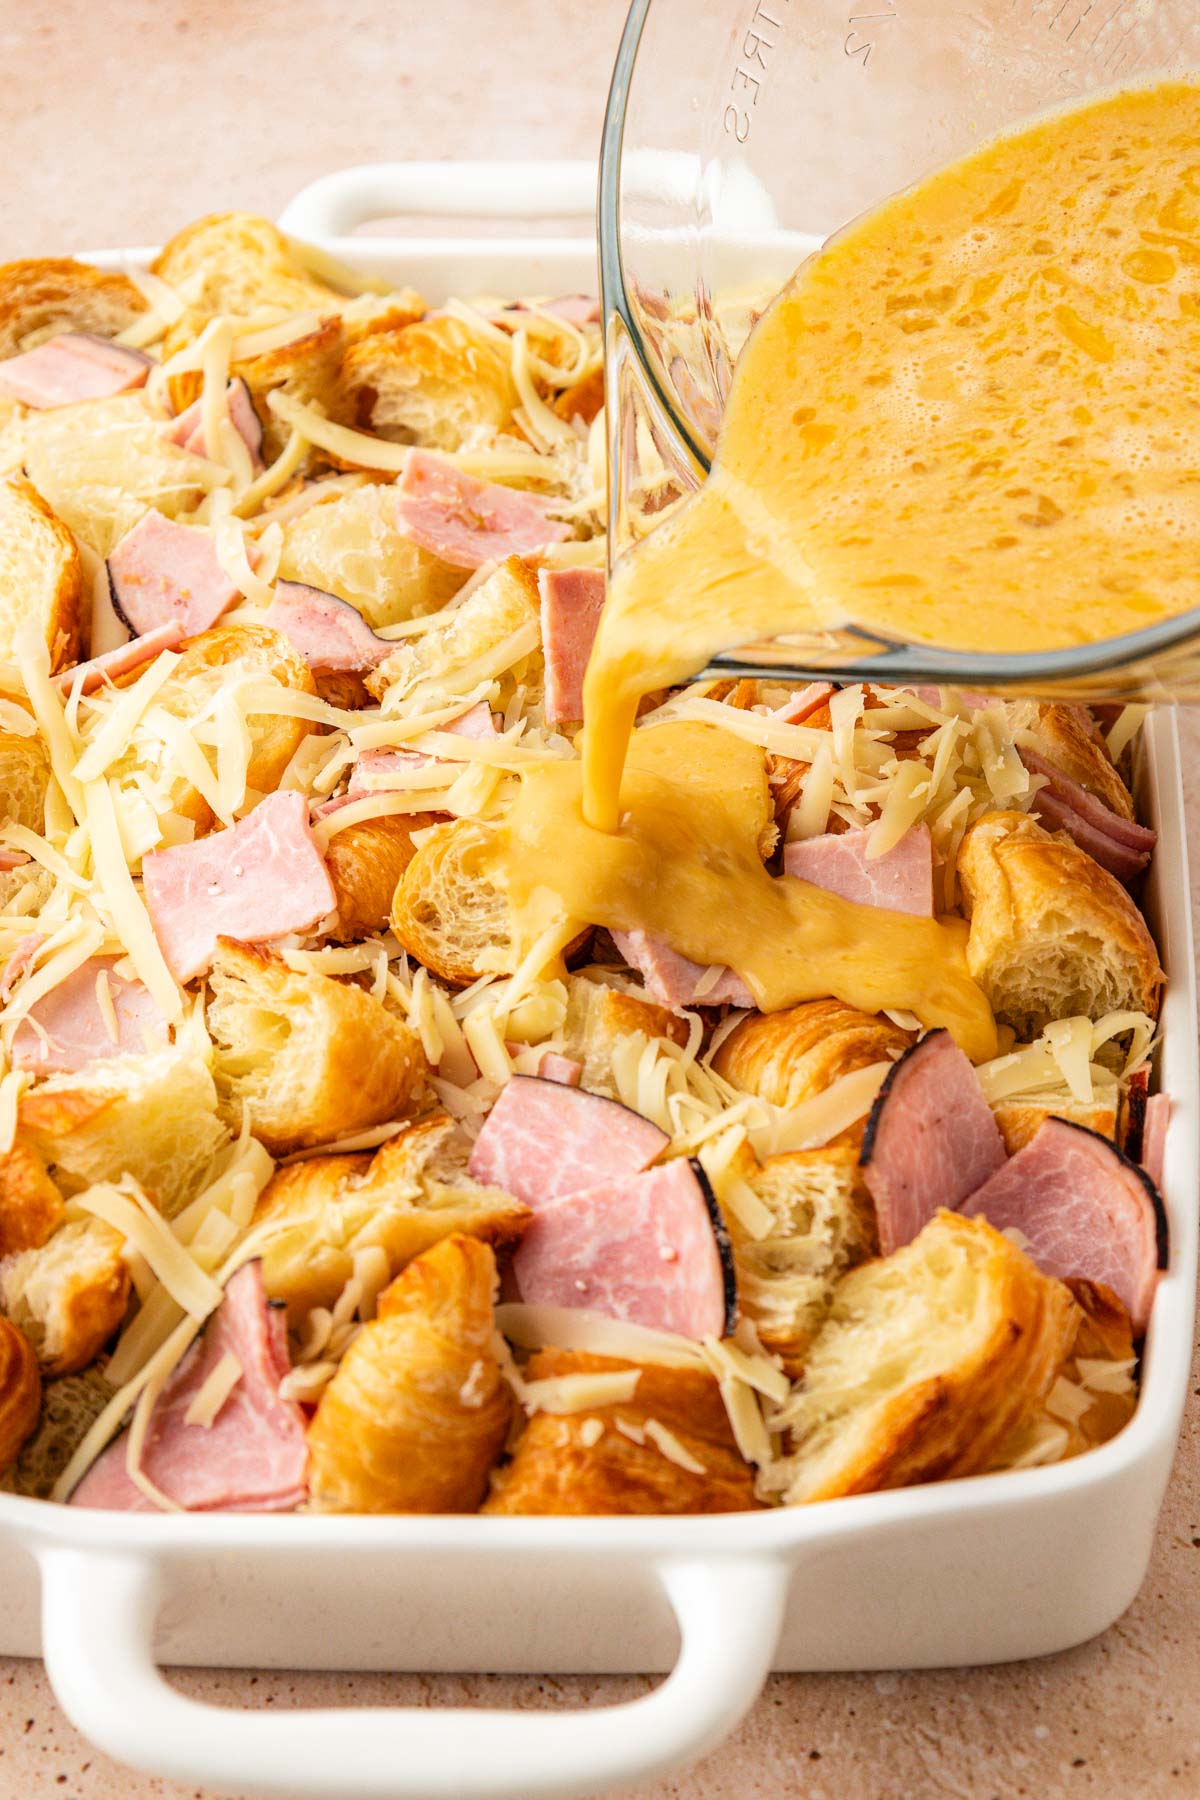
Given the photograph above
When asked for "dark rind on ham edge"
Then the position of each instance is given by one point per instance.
(724, 1246)
(490, 1164)
(951, 1146)
(115, 601)
(1162, 1230)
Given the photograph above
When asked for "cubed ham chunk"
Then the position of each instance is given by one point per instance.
(1121, 846)
(188, 429)
(253, 1457)
(901, 880)
(571, 603)
(648, 1249)
(122, 660)
(162, 572)
(553, 1067)
(70, 1026)
(259, 880)
(72, 367)
(466, 522)
(674, 980)
(543, 1138)
(930, 1141)
(376, 771)
(1154, 1136)
(331, 635)
(1082, 1209)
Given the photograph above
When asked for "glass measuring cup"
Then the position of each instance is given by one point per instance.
(741, 135)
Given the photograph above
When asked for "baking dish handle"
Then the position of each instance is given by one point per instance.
(335, 205)
(98, 1618)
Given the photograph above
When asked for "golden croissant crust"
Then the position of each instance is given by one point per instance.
(929, 1361)
(20, 1392)
(418, 1411)
(562, 1464)
(788, 1057)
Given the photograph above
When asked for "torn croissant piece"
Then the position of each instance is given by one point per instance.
(41, 576)
(41, 296)
(494, 629)
(365, 863)
(69, 1296)
(454, 922)
(1021, 1118)
(313, 1059)
(1053, 935)
(668, 1449)
(20, 1392)
(418, 1411)
(1094, 1394)
(31, 1207)
(1068, 737)
(822, 1223)
(929, 1361)
(24, 778)
(151, 1116)
(404, 1197)
(435, 383)
(789, 1057)
(352, 547)
(236, 262)
(600, 1019)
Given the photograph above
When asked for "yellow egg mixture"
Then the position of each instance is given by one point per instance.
(972, 420)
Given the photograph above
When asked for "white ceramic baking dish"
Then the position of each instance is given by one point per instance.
(974, 1571)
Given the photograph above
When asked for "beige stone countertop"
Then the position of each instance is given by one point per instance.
(122, 120)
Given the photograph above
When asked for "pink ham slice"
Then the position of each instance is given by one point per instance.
(12, 859)
(162, 572)
(1121, 846)
(253, 1457)
(331, 635)
(67, 1028)
(375, 771)
(466, 522)
(571, 603)
(553, 1067)
(647, 1249)
(122, 660)
(1083, 1209)
(931, 1139)
(1154, 1136)
(543, 1138)
(901, 880)
(674, 980)
(188, 429)
(804, 702)
(259, 880)
(576, 309)
(21, 957)
(70, 368)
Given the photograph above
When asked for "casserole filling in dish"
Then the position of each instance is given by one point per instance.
(352, 1156)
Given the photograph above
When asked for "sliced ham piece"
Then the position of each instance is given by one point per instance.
(1083, 1209)
(188, 429)
(930, 1141)
(68, 1028)
(1121, 846)
(647, 1249)
(259, 880)
(553, 1067)
(12, 859)
(121, 660)
(162, 572)
(1154, 1136)
(466, 522)
(576, 309)
(543, 1139)
(804, 702)
(331, 635)
(74, 366)
(253, 1457)
(376, 771)
(674, 980)
(901, 880)
(22, 956)
(571, 603)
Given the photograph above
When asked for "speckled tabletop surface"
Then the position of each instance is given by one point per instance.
(124, 118)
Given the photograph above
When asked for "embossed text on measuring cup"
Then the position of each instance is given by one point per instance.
(753, 65)
(865, 28)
